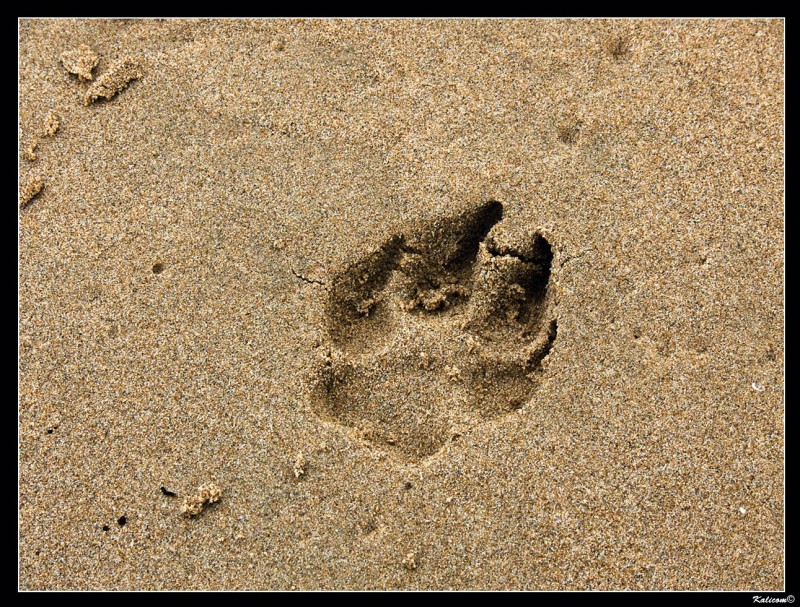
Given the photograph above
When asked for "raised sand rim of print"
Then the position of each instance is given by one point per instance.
(437, 330)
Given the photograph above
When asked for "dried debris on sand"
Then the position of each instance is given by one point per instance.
(300, 465)
(51, 125)
(410, 562)
(29, 188)
(206, 494)
(29, 153)
(80, 61)
(114, 80)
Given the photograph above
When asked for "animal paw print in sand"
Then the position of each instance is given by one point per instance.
(436, 331)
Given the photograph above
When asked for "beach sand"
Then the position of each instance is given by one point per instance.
(401, 304)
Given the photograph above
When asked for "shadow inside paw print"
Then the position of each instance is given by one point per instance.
(436, 331)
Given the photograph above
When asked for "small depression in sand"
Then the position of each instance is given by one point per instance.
(438, 330)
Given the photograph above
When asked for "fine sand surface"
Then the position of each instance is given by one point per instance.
(401, 304)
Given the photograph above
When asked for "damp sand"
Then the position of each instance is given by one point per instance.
(451, 304)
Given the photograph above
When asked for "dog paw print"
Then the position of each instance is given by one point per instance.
(440, 329)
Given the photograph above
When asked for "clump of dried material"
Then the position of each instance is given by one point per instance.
(114, 80)
(300, 465)
(206, 494)
(410, 562)
(454, 373)
(28, 189)
(80, 61)
(51, 125)
(29, 153)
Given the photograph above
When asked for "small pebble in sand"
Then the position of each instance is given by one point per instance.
(300, 465)
(206, 494)
(80, 62)
(757, 386)
(410, 562)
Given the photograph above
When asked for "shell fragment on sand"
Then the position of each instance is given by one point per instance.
(80, 61)
(114, 80)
